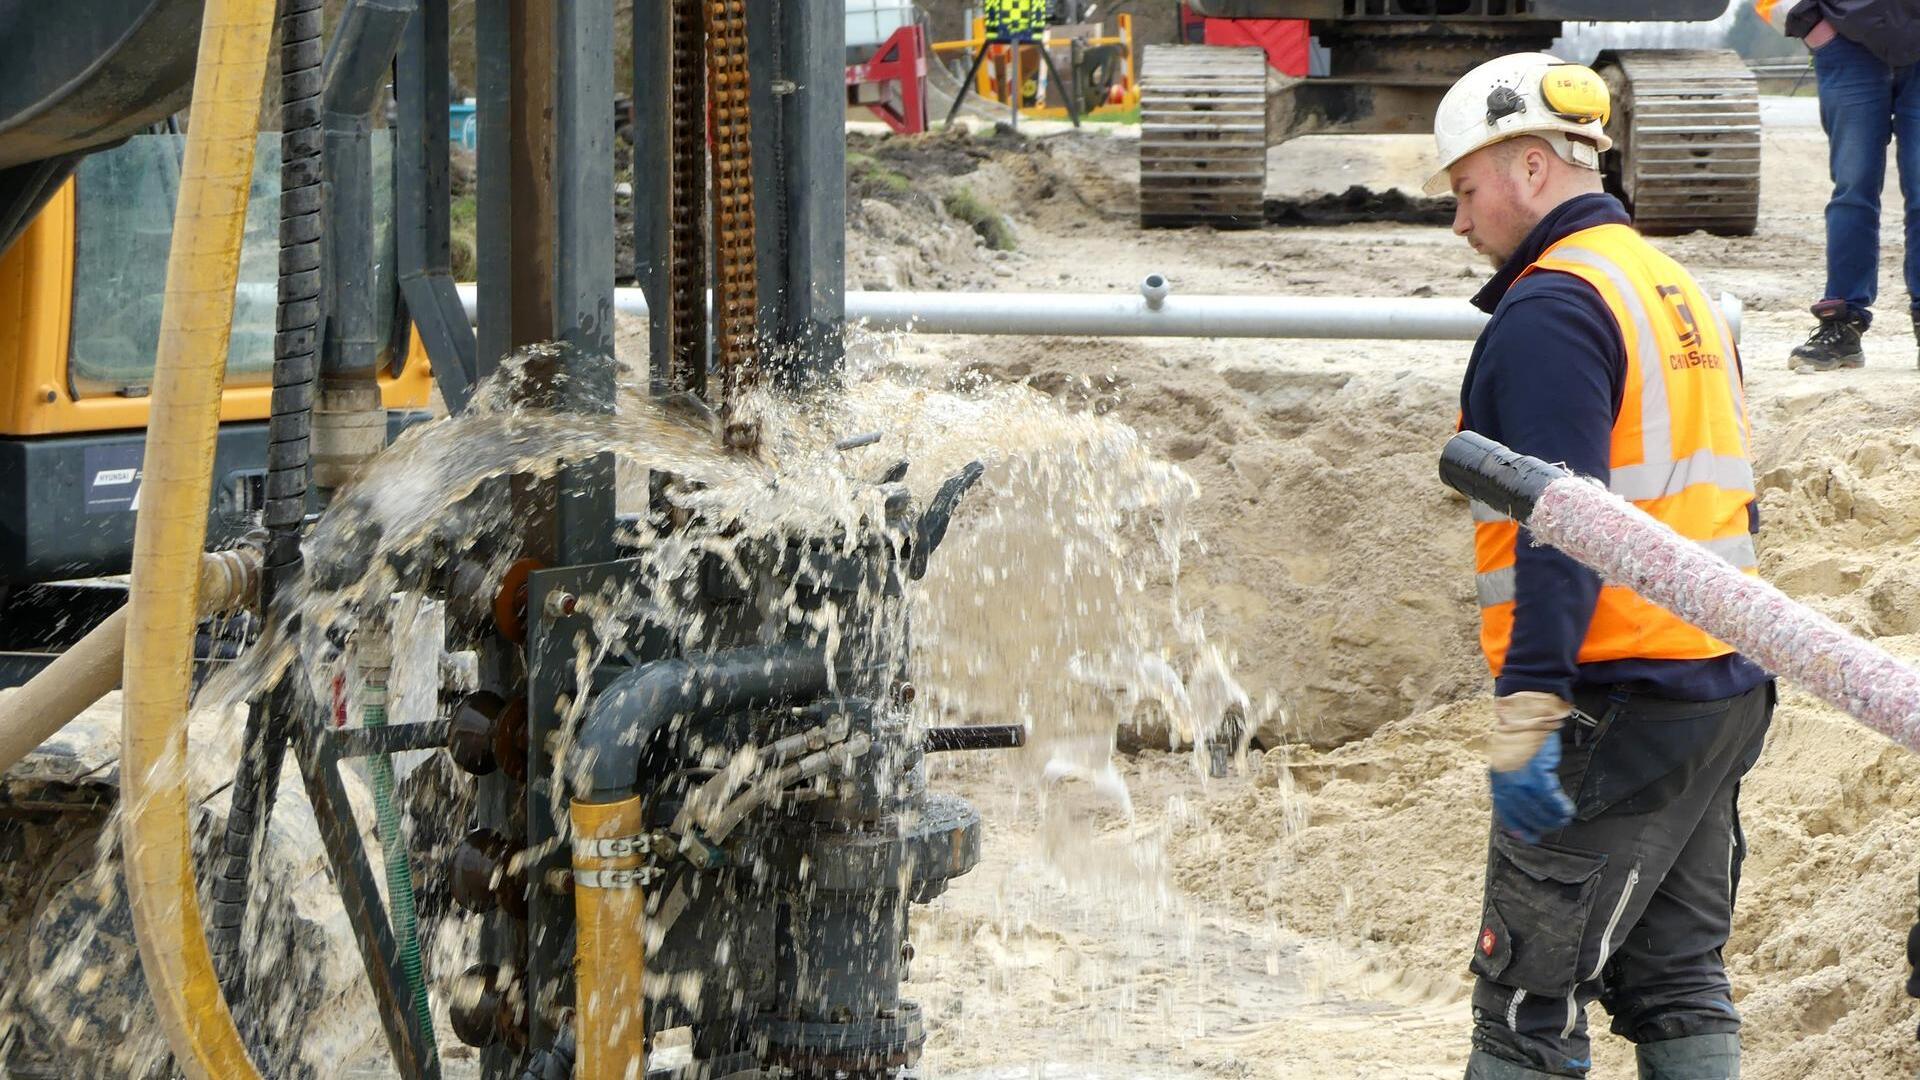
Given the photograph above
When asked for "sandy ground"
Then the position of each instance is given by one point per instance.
(1310, 916)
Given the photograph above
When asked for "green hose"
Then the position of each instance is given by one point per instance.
(393, 851)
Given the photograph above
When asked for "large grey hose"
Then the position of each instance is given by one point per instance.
(296, 357)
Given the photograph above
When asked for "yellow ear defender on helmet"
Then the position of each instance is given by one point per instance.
(1575, 92)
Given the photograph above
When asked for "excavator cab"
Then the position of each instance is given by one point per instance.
(90, 166)
(80, 299)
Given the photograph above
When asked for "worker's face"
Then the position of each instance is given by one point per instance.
(1495, 192)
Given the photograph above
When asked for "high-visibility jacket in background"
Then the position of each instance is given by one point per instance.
(1775, 12)
(1680, 447)
(1890, 29)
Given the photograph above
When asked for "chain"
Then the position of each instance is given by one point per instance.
(735, 299)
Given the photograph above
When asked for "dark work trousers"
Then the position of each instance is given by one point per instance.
(1632, 902)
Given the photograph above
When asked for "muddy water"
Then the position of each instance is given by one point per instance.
(1038, 609)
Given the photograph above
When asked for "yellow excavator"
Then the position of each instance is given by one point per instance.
(81, 283)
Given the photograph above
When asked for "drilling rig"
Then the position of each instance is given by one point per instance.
(1685, 124)
(719, 820)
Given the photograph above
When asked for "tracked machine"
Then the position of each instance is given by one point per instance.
(1685, 126)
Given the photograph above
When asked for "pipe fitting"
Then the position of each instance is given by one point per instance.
(622, 721)
(349, 430)
(1155, 287)
(1484, 470)
(92, 667)
(229, 579)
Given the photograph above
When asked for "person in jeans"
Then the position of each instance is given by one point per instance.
(1864, 52)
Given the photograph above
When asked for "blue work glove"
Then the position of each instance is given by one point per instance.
(1523, 757)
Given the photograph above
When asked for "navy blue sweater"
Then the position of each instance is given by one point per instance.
(1560, 406)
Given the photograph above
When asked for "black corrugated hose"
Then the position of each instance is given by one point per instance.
(296, 360)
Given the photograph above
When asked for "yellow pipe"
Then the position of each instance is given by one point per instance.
(91, 668)
(610, 946)
(202, 266)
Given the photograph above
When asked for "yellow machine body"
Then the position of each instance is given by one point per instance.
(39, 391)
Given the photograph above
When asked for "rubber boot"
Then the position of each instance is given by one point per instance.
(1484, 1066)
(1696, 1057)
(1835, 343)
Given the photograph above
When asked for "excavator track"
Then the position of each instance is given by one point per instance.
(1686, 139)
(1203, 136)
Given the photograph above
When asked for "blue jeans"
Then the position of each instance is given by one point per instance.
(1864, 104)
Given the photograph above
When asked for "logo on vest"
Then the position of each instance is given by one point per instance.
(1695, 358)
(1693, 355)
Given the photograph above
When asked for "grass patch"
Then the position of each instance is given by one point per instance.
(1114, 114)
(867, 172)
(988, 222)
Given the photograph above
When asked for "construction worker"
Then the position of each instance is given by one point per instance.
(1621, 733)
(1864, 52)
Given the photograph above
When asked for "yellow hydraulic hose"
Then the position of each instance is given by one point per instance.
(202, 266)
(610, 943)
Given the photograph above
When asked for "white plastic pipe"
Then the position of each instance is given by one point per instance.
(1156, 311)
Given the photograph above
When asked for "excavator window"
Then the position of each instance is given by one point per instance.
(123, 222)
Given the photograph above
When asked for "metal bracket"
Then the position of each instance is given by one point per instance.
(615, 879)
(613, 847)
(413, 1053)
(550, 679)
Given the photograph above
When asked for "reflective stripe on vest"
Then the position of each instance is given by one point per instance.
(1496, 586)
(1679, 451)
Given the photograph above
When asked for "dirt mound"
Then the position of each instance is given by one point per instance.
(1391, 827)
(1357, 204)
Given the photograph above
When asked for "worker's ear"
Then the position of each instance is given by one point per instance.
(1537, 162)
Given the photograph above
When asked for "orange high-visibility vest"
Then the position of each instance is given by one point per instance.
(1774, 12)
(1680, 446)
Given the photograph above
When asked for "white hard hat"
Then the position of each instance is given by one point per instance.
(1522, 94)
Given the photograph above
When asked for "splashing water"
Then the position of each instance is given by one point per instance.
(1054, 603)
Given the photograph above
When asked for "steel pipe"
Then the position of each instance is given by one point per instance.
(1172, 315)
(1157, 312)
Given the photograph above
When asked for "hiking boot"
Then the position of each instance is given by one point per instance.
(1835, 343)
